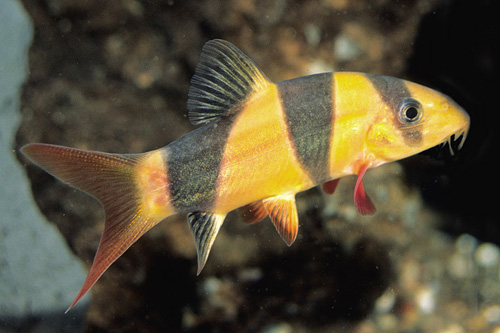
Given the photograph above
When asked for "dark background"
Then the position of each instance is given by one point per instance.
(113, 76)
(457, 50)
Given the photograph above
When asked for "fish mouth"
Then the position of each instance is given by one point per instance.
(453, 139)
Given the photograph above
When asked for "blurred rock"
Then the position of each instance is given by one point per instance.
(39, 276)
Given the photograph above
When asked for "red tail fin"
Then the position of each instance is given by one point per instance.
(113, 180)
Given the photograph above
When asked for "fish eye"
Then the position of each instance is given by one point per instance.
(410, 111)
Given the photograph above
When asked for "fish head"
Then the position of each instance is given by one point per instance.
(416, 121)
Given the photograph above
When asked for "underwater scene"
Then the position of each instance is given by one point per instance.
(213, 135)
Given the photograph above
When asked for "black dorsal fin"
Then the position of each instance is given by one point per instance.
(224, 78)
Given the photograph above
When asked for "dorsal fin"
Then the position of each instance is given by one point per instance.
(224, 78)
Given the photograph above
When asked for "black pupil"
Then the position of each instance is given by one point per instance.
(411, 113)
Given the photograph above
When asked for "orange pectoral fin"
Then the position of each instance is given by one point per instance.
(253, 212)
(361, 199)
(330, 186)
(283, 213)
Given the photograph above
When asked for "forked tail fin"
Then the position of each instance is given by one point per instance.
(121, 183)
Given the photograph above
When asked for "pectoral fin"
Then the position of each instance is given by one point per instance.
(253, 212)
(330, 186)
(205, 227)
(361, 199)
(283, 213)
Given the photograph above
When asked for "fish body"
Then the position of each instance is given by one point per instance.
(260, 143)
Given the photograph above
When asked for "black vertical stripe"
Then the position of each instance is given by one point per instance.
(392, 91)
(193, 164)
(308, 106)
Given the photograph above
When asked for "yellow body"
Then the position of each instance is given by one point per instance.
(258, 161)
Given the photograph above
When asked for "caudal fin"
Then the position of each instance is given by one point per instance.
(120, 183)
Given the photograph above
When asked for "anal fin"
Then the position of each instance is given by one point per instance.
(205, 227)
(283, 212)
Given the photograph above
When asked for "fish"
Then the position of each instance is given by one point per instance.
(257, 145)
